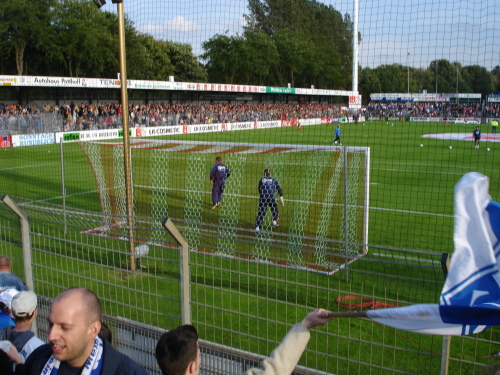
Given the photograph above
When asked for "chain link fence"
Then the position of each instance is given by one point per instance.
(242, 309)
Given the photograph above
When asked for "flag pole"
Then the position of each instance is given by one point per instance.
(347, 314)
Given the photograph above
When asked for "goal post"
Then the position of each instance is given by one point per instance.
(322, 226)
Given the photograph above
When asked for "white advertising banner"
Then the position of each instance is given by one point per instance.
(42, 81)
(32, 139)
(157, 131)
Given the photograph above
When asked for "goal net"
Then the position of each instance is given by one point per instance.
(322, 226)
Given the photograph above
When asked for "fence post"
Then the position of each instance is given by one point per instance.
(184, 269)
(445, 351)
(26, 245)
(346, 215)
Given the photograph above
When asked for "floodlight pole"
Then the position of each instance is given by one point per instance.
(408, 68)
(355, 46)
(126, 140)
(436, 77)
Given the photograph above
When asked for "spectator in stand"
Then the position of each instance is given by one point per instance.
(24, 310)
(5, 308)
(7, 279)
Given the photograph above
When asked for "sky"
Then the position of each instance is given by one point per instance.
(407, 32)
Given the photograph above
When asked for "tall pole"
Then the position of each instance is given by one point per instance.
(436, 77)
(126, 140)
(355, 47)
(408, 67)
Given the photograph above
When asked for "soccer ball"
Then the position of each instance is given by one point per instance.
(421, 145)
(451, 147)
(392, 124)
(488, 149)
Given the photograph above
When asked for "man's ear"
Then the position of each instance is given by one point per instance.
(192, 368)
(94, 328)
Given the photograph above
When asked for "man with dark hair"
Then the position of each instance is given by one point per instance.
(267, 187)
(105, 333)
(7, 279)
(177, 351)
(74, 345)
(218, 175)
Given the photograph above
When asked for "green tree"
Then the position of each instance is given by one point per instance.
(393, 78)
(87, 46)
(220, 51)
(187, 68)
(262, 59)
(368, 83)
(148, 58)
(293, 56)
(419, 79)
(478, 79)
(313, 40)
(25, 23)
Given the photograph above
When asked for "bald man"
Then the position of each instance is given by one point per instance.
(7, 279)
(74, 345)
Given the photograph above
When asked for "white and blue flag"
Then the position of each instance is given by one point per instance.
(470, 299)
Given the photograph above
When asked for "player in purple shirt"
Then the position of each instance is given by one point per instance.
(218, 175)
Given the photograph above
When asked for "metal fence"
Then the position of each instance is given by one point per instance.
(241, 308)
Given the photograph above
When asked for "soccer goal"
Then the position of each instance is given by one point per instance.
(322, 227)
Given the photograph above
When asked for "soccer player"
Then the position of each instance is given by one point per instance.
(477, 136)
(337, 135)
(494, 125)
(218, 175)
(267, 187)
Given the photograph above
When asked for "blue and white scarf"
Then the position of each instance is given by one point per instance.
(93, 366)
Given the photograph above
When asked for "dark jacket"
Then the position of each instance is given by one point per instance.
(114, 362)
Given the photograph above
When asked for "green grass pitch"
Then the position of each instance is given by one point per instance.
(411, 207)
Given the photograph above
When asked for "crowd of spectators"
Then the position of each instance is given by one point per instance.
(70, 117)
(17, 119)
(421, 109)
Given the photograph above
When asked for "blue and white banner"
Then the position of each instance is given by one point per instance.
(470, 299)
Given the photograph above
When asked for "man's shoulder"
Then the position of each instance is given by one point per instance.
(118, 363)
(37, 359)
(9, 280)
